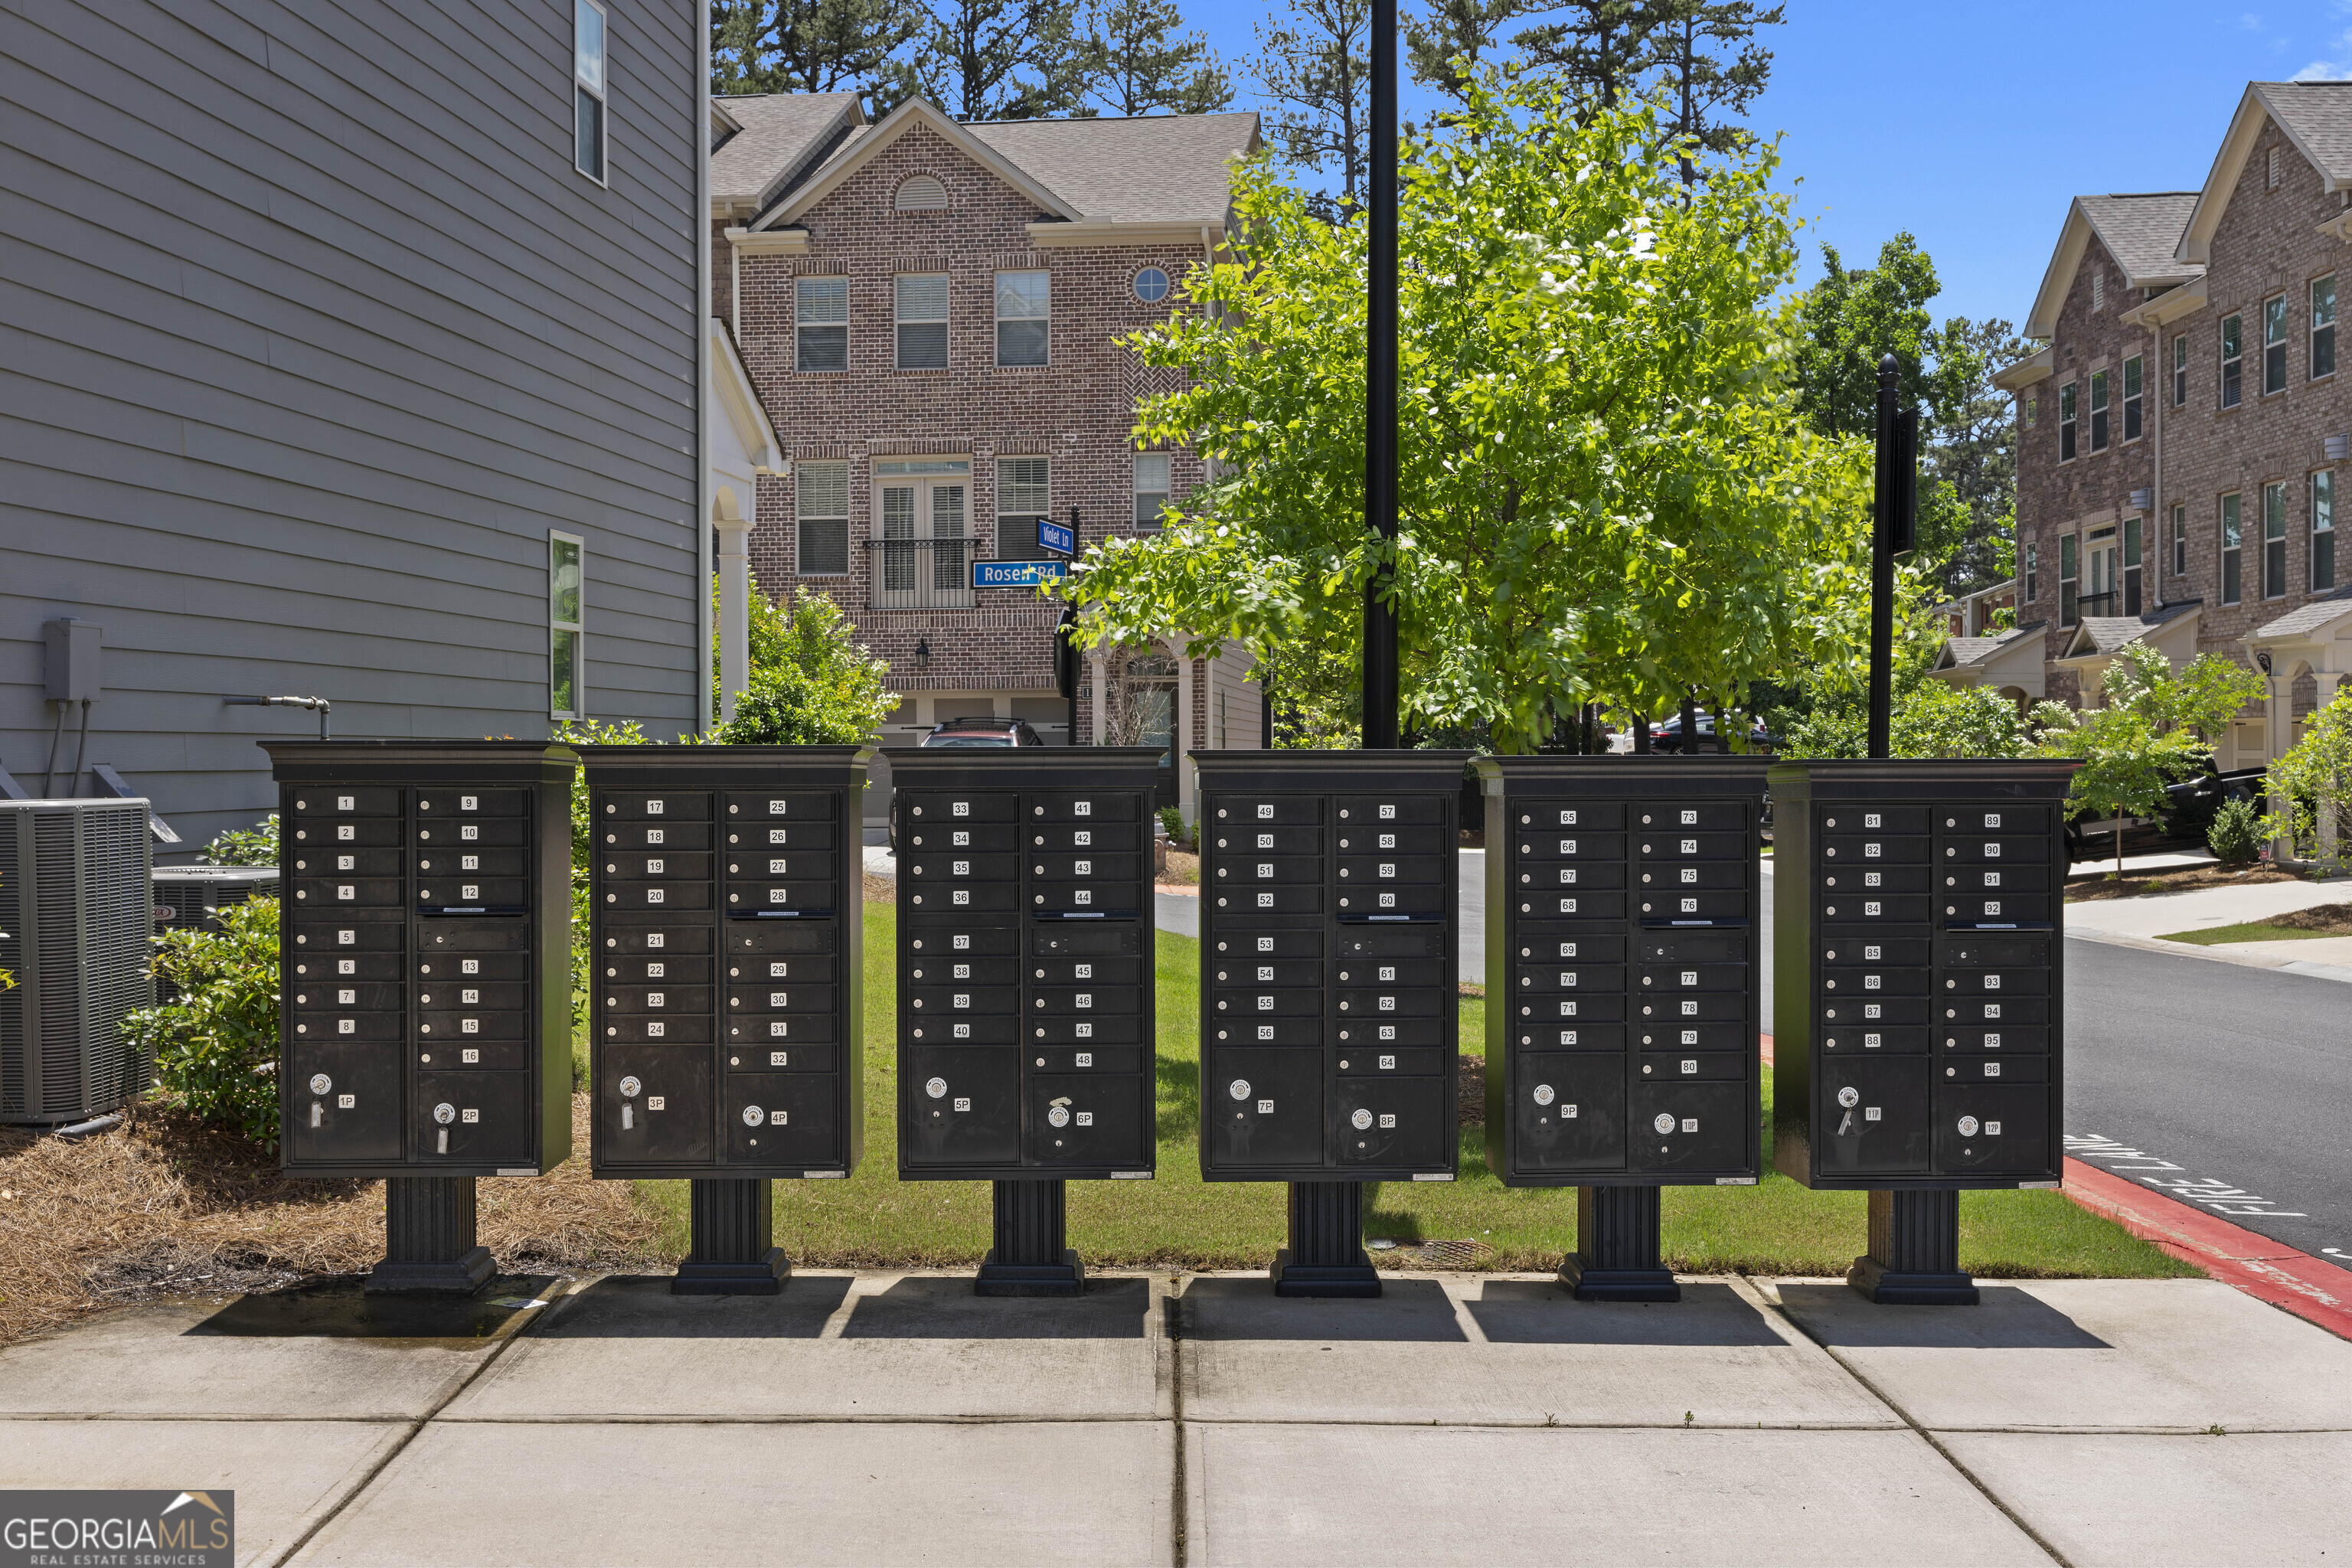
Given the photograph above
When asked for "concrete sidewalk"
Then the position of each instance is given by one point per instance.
(895, 1418)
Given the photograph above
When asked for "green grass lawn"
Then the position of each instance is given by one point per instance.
(1176, 1219)
(2250, 930)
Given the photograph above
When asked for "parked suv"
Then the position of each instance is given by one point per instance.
(981, 732)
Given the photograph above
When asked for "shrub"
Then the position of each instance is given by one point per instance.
(1172, 820)
(216, 1047)
(256, 846)
(2236, 836)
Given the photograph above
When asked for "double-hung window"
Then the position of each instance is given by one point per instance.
(922, 305)
(2180, 541)
(2099, 411)
(2132, 544)
(821, 515)
(2180, 371)
(2067, 584)
(2233, 349)
(2273, 344)
(565, 651)
(821, 322)
(2323, 530)
(2232, 537)
(1023, 494)
(2274, 541)
(588, 88)
(2323, 327)
(2132, 399)
(2032, 573)
(1151, 489)
(2066, 423)
(1025, 309)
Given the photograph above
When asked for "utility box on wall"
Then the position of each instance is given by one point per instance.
(1623, 970)
(424, 957)
(1330, 1016)
(724, 995)
(1025, 959)
(1919, 1042)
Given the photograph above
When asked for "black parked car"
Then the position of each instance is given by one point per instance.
(1668, 736)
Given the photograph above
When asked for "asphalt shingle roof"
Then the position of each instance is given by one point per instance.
(2141, 230)
(779, 130)
(2109, 632)
(2318, 115)
(2310, 617)
(1159, 168)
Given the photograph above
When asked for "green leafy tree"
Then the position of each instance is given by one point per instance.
(255, 845)
(806, 45)
(1932, 718)
(1137, 61)
(215, 1044)
(1315, 73)
(813, 683)
(2312, 784)
(1604, 494)
(1970, 458)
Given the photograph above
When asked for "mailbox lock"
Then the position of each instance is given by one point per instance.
(1360, 1120)
(1543, 1094)
(320, 1083)
(753, 1116)
(1968, 1126)
(936, 1087)
(1849, 1096)
(444, 1113)
(1663, 1123)
(629, 1086)
(1238, 1089)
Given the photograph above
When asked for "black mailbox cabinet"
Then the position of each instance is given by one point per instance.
(724, 886)
(1329, 1010)
(425, 967)
(1919, 954)
(1622, 899)
(1025, 953)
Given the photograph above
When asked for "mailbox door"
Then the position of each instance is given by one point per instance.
(472, 1118)
(1851, 1140)
(1088, 1119)
(653, 1105)
(1263, 1106)
(1567, 1112)
(1686, 1125)
(963, 1105)
(775, 1118)
(346, 1101)
(1388, 1122)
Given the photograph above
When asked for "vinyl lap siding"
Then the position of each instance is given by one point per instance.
(308, 334)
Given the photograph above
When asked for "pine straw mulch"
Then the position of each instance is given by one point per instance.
(163, 1205)
(2093, 886)
(2334, 918)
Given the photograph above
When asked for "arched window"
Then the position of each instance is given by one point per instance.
(921, 194)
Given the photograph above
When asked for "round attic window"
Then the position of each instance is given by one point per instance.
(921, 194)
(1152, 285)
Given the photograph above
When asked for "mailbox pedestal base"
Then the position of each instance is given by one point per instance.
(1325, 1255)
(1915, 1252)
(428, 1234)
(1616, 1256)
(1029, 1257)
(732, 1250)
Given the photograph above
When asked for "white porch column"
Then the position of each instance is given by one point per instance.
(734, 603)
(1098, 674)
(1184, 732)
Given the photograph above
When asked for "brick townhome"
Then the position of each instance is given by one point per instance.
(931, 312)
(2183, 436)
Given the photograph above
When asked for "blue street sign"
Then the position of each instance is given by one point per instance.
(1016, 573)
(1052, 535)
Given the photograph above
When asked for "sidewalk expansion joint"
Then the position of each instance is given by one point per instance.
(1172, 1323)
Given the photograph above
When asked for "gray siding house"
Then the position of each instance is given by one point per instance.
(334, 339)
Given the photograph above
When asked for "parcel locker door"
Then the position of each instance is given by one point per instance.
(1263, 1106)
(1389, 1121)
(1684, 1126)
(653, 1105)
(346, 1101)
(1994, 1130)
(1872, 1119)
(1567, 1112)
(1088, 1119)
(964, 1106)
(788, 1118)
(473, 1118)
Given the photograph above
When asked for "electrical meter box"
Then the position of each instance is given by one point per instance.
(1622, 962)
(1025, 947)
(1918, 952)
(1329, 1001)
(725, 885)
(425, 967)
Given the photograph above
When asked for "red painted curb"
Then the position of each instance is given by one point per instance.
(2267, 1270)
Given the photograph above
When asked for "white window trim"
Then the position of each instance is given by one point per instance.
(603, 95)
(995, 305)
(578, 629)
(800, 325)
(2313, 326)
(944, 321)
(802, 520)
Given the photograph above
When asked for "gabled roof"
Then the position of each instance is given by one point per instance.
(2317, 119)
(2017, 377)
(2139, 230)
(1158, 168)
(2099, 636)
(2299, 624)
(1162, 169)
(782, 133)
(1960, 651)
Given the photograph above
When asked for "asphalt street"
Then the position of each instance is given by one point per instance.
(2223, 1085)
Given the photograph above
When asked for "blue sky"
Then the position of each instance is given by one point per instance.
(1972, 125)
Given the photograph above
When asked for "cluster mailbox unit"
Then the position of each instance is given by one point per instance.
(1025, 1018)
(1621, 1013)
(1919, 1047)
(725, 884)
(425, 979)
(1329, 1011)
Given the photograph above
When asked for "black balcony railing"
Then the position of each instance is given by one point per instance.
(921, 573)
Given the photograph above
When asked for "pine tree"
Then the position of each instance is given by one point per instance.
(1139, 63)
(1314, 69)
(1706, 55)
(805, 45)
(1599, 50)
(997, 59)
(1456, 33)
